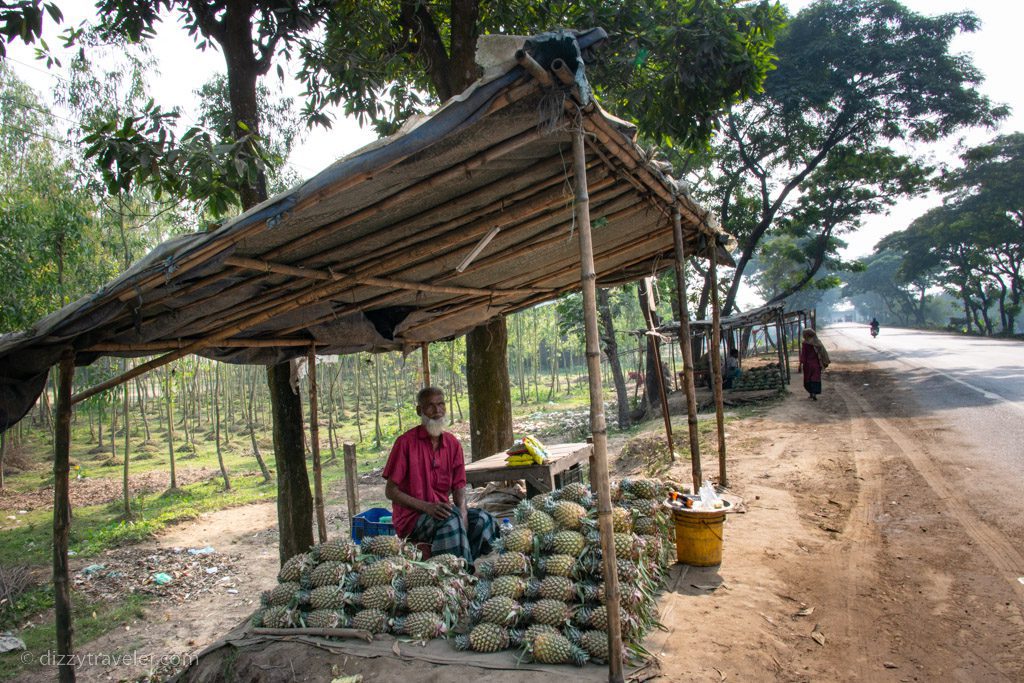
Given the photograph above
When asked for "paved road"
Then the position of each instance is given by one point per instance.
(975, 385)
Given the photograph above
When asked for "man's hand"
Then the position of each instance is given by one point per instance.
(438, 511)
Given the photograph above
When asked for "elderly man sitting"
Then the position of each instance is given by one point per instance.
(426, 482)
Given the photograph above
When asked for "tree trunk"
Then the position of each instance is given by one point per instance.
(169, 400)
(251, 424)
(294, 500)
(651, 367)
(216, 428)
(490, 412)
(611, 350)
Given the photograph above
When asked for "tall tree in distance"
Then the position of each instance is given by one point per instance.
(853, 77)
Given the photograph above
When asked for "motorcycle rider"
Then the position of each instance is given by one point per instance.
(874, 327)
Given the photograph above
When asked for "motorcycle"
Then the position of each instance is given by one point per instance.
(874, 331)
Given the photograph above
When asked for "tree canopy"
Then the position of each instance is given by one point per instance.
(853, 78)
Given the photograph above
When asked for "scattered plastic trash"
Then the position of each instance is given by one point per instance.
(208, 550)
(211, 570)
(9, 643)
(162, 579)
(233, 591)
(93, 569)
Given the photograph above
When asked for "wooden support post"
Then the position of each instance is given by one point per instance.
(599, 473)
(351, 480)
(314, 442)
(785, 348)
(652, 346)
(687, 349)
(778, 347)
(714, 350)
(425, 350)
(62, 517)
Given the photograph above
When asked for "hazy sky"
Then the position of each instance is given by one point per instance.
(183, 69)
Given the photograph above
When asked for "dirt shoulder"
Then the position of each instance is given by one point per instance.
(853, 561)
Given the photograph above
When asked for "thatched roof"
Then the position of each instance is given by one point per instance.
(365, 255)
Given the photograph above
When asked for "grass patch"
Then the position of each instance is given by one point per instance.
(91, 619)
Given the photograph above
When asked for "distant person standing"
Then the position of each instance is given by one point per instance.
(813, 359)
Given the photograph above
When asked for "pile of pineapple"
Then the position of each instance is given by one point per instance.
(545, 591)
(380, 587)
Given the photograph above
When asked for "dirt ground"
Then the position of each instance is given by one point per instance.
(853, 561)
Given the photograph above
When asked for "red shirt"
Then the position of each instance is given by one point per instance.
(420, 471)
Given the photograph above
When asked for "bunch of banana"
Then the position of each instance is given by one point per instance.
(526, 452)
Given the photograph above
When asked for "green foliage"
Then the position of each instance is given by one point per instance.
(672, 67)
(23, 20)
(853, 77)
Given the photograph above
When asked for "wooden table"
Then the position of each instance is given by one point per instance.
(539, 478)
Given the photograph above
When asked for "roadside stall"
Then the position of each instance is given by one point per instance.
(416, 238)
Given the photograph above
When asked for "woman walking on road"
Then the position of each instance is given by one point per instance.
(813, 359)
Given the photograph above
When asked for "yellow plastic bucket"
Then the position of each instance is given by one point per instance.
(699, 536)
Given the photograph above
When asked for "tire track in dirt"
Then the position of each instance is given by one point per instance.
(1001, 553)
(853, 564)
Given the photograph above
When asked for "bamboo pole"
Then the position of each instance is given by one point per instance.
(425, 350)
(351, 479)
(62, 517)
(533, 68)
(687, 350)
(171, 345)
(314, 442)
(652, 345)
(714, 351)
(599, 475)
(778, 346)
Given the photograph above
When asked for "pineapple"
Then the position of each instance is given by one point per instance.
(330, 573)
(519, 539)
(558, 565)
(512, 562)
(540, 523)
(280, 617)
(488, 637)
(426, 599)
(626, 545)
(508, 586)
(499, 610)
(420, 625)
(645, 525)
(595, 643)
(568, 515)
(381, 546)
(541, 500)
(557, 588)
(423, 575)
(576, 492)
(597, 618)
(327, 618)
(622, 520)
(646, 488)
(550, 612)
(281, 594)
(554, 648)
(536, 629)
(453, 564)
(378, 574)
(327, 597)
(383, 598)
(372, 620)
(291, 570)
(568, 543)
(338, 550)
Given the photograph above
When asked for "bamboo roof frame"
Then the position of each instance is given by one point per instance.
(362, 256)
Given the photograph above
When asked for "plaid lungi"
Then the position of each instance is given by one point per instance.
(449, 535)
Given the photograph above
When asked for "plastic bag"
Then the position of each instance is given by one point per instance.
(709, 499)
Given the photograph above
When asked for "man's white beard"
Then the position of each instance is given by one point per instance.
(433, 427)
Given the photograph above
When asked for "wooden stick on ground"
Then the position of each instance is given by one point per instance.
(598, 475)
(325, 632)
(314, 442)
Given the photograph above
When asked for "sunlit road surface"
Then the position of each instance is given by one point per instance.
(975, 385)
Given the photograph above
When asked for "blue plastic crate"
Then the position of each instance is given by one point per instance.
(367, 523)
